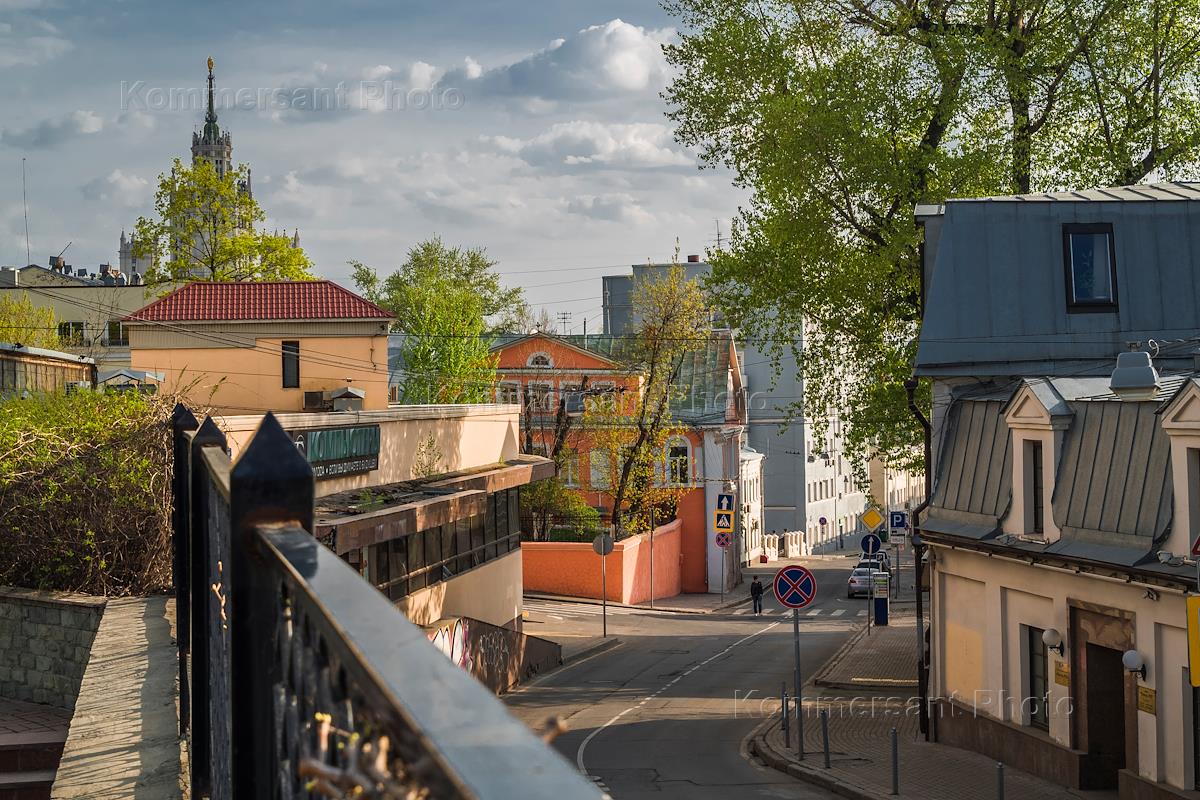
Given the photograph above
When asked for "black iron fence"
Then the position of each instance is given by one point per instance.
(298, 679)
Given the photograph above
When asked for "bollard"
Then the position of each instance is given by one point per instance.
(999, 780)
(787, 722)
(825, 734)
(895, 764)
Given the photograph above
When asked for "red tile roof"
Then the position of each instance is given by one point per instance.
(215, 302)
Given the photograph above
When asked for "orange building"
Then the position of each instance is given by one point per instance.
(249, 347)
(703, 459)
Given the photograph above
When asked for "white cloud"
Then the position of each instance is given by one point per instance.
(599, 61)
(52, 132)
(610, 207)
(118, 188)
(21, 50)
(580, 144)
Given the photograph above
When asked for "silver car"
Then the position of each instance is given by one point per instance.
(859, 581)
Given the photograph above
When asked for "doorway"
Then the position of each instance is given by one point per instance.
(1105, 705)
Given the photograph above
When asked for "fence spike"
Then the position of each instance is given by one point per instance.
(182, 418)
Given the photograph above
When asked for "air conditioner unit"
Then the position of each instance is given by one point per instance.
(318, 401)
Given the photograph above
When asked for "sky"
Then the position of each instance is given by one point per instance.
(533, 129)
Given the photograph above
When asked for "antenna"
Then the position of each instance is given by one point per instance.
(60, 252)
(564, 319)
(25, 204)
(718, 222)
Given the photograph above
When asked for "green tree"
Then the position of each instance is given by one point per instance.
(22, 322)
(842, 115)
(503, 307)
(444, 349)
(206, 228)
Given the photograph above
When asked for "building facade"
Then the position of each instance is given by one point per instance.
(1064, 505)
(703, 460)
(253, 347)
(32, 370)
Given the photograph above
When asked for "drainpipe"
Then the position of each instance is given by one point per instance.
(910, 388)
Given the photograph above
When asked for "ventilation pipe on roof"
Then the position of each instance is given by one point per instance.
(1135, 377)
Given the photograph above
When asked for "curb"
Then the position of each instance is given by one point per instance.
(598, 647)
(818, 777)
(820, 680)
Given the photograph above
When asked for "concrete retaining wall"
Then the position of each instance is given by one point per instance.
(45, 640)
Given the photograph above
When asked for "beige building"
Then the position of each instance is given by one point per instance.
(89, 313)
(422, 500)
(252, 347)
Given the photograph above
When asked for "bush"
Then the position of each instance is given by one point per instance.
(85, 492)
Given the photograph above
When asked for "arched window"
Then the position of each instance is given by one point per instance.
(540, 360)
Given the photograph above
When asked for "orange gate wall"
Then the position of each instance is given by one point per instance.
(573, 568)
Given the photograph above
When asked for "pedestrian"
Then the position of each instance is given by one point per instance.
(756, 594)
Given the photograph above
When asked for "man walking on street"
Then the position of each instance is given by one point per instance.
(756, 593)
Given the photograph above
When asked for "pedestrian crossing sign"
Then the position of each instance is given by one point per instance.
(723, 521)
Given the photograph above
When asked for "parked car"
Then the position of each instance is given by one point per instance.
(859, 581)
(877, 564)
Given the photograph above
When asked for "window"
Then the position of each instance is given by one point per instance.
(679, 464)
(116, 335)
(539, 360)
(540, 396)
(71, 333)
(1039, 687)
(291, 365)
(1034, 488)
(569, 472)
(1089, 258)
(601, 396)
(598, 469)
(508, 392)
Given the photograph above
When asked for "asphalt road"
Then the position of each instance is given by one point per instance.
(667, 713)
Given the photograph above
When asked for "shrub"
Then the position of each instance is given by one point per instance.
(85, 482)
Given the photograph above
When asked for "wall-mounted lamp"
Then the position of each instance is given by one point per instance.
(1053, 640)
(1133, 662)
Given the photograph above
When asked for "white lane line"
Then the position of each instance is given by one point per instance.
(862, 613)
(816, 612)
(587, 740)
(838, 612)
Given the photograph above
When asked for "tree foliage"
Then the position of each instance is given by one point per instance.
(206, 228)
(469, 269)
(632, 433)
(842, 115)
(22, 322)
(85, 481)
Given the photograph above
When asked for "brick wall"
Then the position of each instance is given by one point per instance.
(45, 638)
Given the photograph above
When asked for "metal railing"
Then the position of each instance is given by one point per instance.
(297, 678)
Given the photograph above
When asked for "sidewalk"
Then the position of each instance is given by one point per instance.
(867, 689)
(679, 604)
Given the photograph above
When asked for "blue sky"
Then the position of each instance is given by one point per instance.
(545, 143)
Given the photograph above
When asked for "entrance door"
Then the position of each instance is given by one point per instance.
(1105, 715)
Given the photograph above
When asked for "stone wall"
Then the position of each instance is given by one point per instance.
(45, 639)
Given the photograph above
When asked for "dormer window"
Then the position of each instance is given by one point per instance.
(1090, 262)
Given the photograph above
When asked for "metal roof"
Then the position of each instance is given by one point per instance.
(1136, 193)
(42, 353)
(996, 291)
(974, 480)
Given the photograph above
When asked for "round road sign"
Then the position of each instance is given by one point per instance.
(723, 540)
(871, 544)
(795, 587)
(602, 544)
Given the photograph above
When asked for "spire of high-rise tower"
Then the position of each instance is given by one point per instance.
(212, 131)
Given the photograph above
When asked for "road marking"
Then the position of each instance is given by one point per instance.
(816, 612)
(587, 740)
(862, 613)
(838, 612)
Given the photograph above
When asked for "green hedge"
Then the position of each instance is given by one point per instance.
(85, 484)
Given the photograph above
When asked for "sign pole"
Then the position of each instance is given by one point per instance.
(652, 556)
(604, 595)
(799, 697)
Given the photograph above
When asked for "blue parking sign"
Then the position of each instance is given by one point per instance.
(898, 519)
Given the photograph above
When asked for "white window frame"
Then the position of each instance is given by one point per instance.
(540, 354)
(503, 388)
(669, 472)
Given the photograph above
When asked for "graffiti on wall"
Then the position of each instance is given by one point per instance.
(497, 657)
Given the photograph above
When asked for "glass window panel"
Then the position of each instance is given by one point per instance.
(1091, 270)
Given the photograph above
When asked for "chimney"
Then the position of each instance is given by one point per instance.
(10, 276)
(693, 259)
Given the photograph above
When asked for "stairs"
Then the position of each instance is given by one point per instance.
(31, 744)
